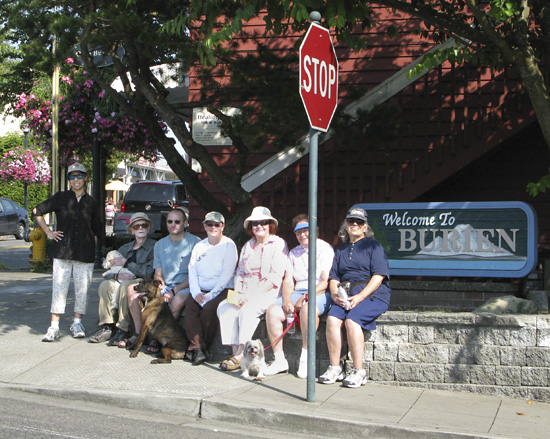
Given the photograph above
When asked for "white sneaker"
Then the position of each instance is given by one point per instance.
(277, 366)
(333, 374)
(357, 378)
(302, 369)
(51, 335)
(78, 330)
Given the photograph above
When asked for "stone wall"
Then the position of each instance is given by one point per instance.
(505, 355)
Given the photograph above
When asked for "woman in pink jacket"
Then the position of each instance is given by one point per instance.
(258, 279)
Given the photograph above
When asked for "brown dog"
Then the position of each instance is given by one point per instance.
(158, 322)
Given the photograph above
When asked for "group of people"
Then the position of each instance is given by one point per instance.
(218, 287)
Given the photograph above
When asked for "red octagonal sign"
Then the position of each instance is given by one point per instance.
(318, 77)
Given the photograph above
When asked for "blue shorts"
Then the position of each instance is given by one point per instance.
(323, 301)
(364, 314)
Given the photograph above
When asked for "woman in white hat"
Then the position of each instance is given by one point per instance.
(73, 247)
(258, 281)
(137, 257)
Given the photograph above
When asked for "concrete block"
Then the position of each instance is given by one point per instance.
(410, 353)
(540, 298)
(495, 336)
(421, 334)
(534, 376)
(436, 353)
(395, 333)
(381, 371)
(538, 357)
(543, 337)
(446, 334)
(432, 373)
(407, 372)
(525, 336)
(368, 353)
(468, 335)
(487, 355)
(508, 375)
(461, 354)
(512, 356)
(385, 352)
(484, 375)
(457, 373)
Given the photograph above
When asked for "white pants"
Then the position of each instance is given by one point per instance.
(82, 273)
(237, 325)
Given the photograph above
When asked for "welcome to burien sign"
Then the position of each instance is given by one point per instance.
(470, 239)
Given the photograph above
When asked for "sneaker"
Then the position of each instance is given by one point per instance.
(357, 378)
(104, 334)
(277, 366)
(333, 374)
(51, 335)
(302, 369)
(78, 330)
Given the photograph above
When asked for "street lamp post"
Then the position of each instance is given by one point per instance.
(26, 131)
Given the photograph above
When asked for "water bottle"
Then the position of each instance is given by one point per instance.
(343, 293)
(289, 322)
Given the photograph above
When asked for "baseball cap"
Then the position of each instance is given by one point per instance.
(217, 217)
(357, 213)
(76, 167)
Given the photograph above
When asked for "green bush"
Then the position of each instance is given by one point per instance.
(16, 192)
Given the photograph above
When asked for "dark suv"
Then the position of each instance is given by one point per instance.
(155, 198)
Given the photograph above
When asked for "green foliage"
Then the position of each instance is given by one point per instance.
(11, 141)
(16, 192)
(539, 187)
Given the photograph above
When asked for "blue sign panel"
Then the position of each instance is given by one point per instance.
(469, 239)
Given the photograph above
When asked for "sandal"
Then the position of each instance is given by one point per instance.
(153, 348)
(123, 344)
(231, 364)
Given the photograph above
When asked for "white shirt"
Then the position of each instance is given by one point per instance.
(298, 263)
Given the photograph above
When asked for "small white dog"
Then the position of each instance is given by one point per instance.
(113, 271)
(253, 363)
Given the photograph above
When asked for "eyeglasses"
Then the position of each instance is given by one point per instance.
(353, 221)
(213, 224)
(73, 176)
(173, 221)
(140, 226)
(302, 232)
(258, 223)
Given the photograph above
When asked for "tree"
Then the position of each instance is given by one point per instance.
(138, 27)
(496, 33)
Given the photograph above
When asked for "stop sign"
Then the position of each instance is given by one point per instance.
(318, 77)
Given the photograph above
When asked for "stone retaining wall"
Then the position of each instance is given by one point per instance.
(505, 355)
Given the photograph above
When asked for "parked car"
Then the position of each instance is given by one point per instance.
(14, 220)
(155, 198)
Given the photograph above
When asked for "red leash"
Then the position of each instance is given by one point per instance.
(296, 318)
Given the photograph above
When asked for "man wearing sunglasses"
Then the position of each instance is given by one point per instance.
(72, 249)
(171, 264)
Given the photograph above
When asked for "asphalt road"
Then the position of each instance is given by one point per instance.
(14, 253)
(26, 415)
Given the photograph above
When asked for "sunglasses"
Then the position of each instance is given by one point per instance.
(173, 221)
(140, 226)
(73, 176)
(258, 223)
(213, 224)
(359, 222)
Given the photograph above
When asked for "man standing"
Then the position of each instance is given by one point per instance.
(171, 263)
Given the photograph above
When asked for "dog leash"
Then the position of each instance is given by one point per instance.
(284, 332)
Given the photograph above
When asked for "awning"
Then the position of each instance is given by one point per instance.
(116, 185)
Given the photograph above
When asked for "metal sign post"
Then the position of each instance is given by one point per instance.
(319, 93)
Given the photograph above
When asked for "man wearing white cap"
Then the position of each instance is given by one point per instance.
(73, 247)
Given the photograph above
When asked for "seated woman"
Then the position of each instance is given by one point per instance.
(211, 273)
(363, 262)
(138, 258)
(295, 285)
(258, 280)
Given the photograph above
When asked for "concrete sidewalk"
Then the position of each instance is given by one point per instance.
(76, 369)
